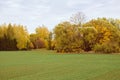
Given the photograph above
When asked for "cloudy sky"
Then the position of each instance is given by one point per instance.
(34, 13)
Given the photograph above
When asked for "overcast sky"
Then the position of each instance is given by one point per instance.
(34, 13)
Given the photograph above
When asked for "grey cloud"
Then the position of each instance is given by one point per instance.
(50, 12)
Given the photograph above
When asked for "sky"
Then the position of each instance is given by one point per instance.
(34, 13)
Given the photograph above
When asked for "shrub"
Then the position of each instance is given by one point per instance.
(107, 48)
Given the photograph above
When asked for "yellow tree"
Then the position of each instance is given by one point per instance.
(103, 29)
(67, 37)
(108, 34)
(89, 35)
(22, 36)
(3, 30)
(13, 37)
(43, 33)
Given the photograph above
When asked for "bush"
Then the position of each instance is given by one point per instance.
(107, 48)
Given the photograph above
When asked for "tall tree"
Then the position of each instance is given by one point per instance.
(50, 40)
(78, 18)
(22, 36)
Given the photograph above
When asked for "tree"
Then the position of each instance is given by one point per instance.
(103, 29)
(108, 35)
(78, 18)
(88, 37)
(13, 37)
(7, 40)
(22, 36)
(50, 41)
(43, 34)
(40, 38)
(37, 41)
(100, 35)
(67, 38)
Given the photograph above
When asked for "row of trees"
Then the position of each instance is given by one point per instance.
(99, 35)
(13, 37)
(16, 37)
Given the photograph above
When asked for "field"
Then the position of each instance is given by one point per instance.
(48, 65)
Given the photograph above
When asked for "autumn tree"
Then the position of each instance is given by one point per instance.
(43, 33)
(13, 37)
(67, 37)
(103, 29)
(107, 29)
(50, 41)
(88, 38)
(114, 42)
(36, 41)
(23, 38)
(40, 38)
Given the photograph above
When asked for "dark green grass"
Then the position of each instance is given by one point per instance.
(48, 65)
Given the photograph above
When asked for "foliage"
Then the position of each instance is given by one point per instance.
(67, 37)
(43, 33)
(50, 41)
(40, 38)
(71, 38)
(107, 48)
(36, 41)
(108, 35)
(23, 38)
(13, 37)
(88, 37)
(103, 28)
(99, 35)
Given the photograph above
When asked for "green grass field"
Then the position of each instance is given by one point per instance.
(48, 65)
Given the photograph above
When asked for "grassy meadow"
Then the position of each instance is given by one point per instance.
(48, 65)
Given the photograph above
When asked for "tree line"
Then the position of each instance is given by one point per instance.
(98, 35)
